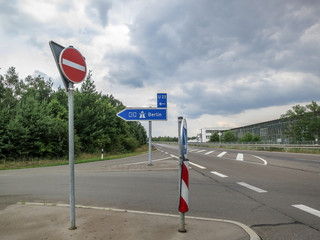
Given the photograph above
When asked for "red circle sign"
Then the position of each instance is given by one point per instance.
(73, 65)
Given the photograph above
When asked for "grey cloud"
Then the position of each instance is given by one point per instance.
(219, 41)
(99, 9)
(226, 100)
(126, 68)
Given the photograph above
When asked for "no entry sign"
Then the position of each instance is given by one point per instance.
(73, 65)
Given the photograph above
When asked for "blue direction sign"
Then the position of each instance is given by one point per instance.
(162, 100)
(143, 114)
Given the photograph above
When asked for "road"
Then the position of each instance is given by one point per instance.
(276, 194)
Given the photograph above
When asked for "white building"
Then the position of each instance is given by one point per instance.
(205, 133)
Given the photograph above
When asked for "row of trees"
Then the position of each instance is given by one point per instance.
(229, 136)
(34, 120)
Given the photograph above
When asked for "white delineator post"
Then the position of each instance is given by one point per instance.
(183, 176)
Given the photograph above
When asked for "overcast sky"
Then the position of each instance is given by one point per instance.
(223, 63)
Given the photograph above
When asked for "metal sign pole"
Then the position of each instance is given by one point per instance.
(150, 145)
(71, 157)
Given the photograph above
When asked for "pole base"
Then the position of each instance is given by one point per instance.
(182, 230)
(150, 164)
(72, 228)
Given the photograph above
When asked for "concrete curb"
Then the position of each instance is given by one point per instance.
(248, 230)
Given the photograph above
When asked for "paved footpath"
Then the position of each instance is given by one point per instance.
(38, 221)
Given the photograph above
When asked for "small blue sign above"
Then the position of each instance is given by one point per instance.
(161, 100)
(143, 114)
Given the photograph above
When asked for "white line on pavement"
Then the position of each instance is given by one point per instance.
(264, 161)
(155, 160)
(193, 150)
(307, 209)
(222, 154)
(173, 156)
(196, 165)
(219, 174)
(209, 152)
(240, 157)
(200, 151)
(246, 185)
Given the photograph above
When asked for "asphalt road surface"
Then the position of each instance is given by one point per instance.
(276, 194)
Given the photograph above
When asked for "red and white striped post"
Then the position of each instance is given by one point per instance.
(183, 173)
(184, 187)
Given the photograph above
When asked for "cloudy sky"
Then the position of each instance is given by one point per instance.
(223, 63)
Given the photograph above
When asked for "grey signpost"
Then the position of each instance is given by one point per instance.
(147, 114)
(73, 69)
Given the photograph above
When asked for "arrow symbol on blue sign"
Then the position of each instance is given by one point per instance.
(143, 114)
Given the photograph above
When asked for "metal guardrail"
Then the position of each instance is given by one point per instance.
(309, 146)
(251, 145)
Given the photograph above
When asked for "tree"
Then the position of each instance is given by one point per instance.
(214, 137)
(303, 122)
(229, 136)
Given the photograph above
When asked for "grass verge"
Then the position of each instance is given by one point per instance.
(83, 158)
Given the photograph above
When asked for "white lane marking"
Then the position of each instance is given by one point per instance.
(73, 65)
(166, 152)
(209, 152)
(200, 151)
(196, 165)
(219, 174)
(173, 156)
(307, 209)
(222, 154)
(240, 157)
(193, 150)
(256, 189)
(264, 161)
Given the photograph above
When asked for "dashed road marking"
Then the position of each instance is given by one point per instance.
(209, 152)
(219, 174)
(240, 157)
(253, 188)
(193, 150)
(200, 151)
(307, 209)
(196, 165)
(222, 154)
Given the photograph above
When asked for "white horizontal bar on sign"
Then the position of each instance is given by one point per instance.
(308, 209)
(198, 166)
(253, 188)
(219, 174)
(73, 65)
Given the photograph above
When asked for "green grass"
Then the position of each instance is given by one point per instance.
(83, 158)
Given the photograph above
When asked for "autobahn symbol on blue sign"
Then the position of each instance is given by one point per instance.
(162, 100)
(143, 114)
